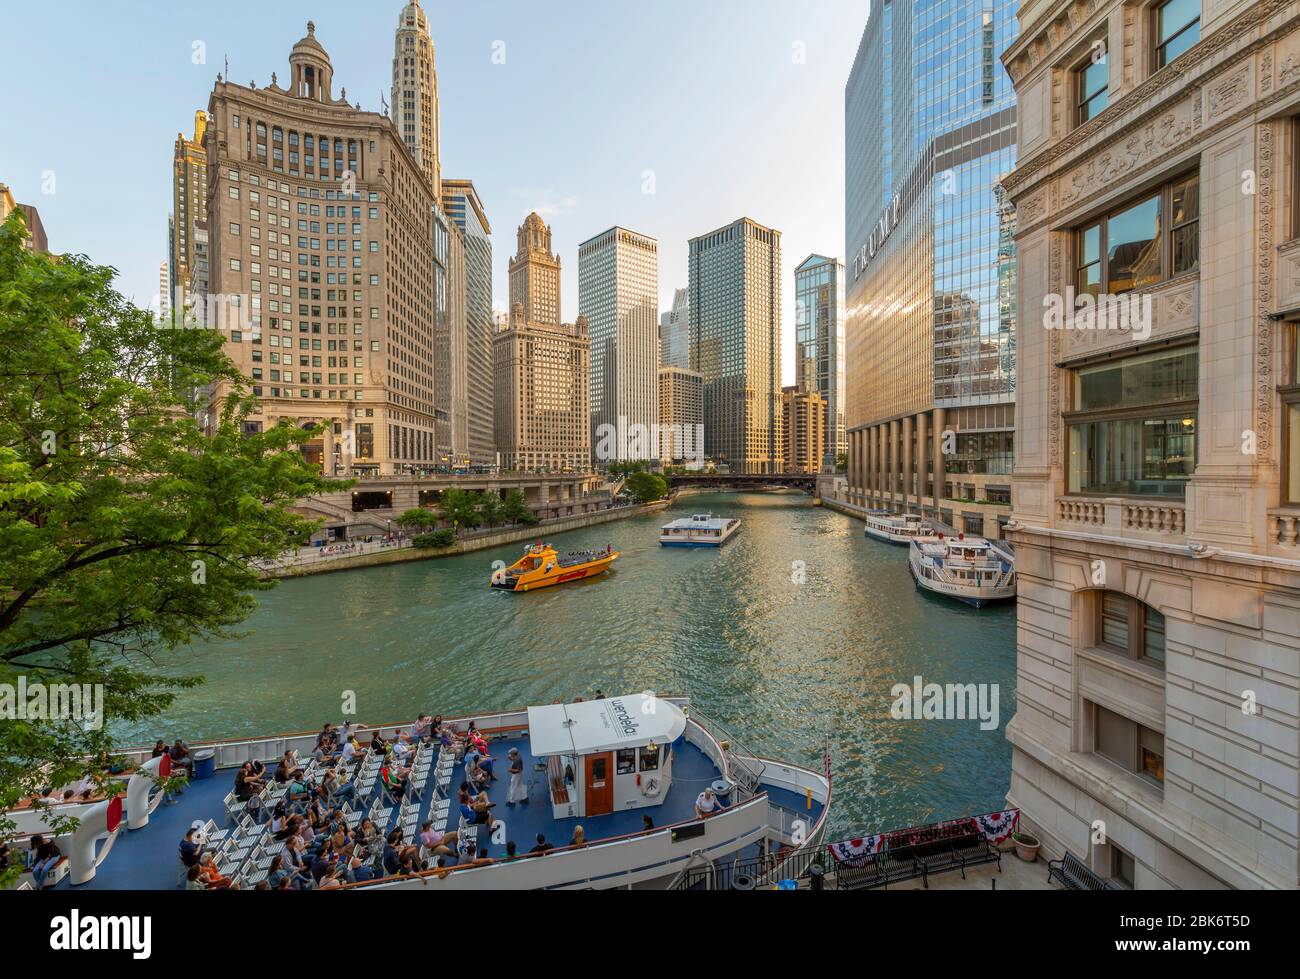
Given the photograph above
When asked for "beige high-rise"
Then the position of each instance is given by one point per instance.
(535, 273)
(321, 266)
(804, 414)
(189, 205)
(415, 93)
(1156, 489)
(541, 380)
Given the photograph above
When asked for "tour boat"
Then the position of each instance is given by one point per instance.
(967, 568)
(542, 566)
(896, 528)
(700, 530)
(604, 765)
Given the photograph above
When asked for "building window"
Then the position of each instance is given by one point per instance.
(1130, 628)
(1178, 27)
(1290, 394)
(1123, 868)
(1134, 246)
(1133, 427)
(1092, 86)
(1126, 743)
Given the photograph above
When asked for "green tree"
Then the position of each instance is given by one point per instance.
(125, 530)
(515, 509)
(646, 487)
(490, 509)
(418, 520)
(460, 507)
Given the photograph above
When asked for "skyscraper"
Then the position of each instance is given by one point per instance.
(541, 370)
(804, 424)
(735, 316)
(675, 332)
(328, 281)
(189, 204)
(930, 127)
(618, 293)
(535, 273)
(451, 343)
(466, 212)
(819, 343)
(681, 416)
(415, 93)
(164, 291)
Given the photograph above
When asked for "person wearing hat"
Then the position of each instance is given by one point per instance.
(518, 790)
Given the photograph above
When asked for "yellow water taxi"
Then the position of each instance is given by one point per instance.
(542, 566)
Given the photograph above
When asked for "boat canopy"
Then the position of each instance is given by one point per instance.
(595, 726)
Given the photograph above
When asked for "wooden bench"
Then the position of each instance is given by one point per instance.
(1074, 875)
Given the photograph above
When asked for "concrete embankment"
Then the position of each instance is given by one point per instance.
(476, 542)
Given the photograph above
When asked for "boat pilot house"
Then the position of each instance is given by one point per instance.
(605, 756)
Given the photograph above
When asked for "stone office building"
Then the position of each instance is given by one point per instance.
(1157, 474)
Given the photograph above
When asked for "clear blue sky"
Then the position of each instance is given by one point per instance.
(735, 105)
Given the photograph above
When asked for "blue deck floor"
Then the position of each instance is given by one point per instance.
(148, 859)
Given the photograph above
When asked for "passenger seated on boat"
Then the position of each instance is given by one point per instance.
(512, 851)
(336, 785)
(435, 841)
(542, 846)
(194, 880)
(579, 837)
(212, 878)
(477, 741)
(395, 851)
(366, 836)
(394, 779)
(326, 750)
(476, 808)
(326, 733)
(398, 750)
(247, 784)
(419, 731)
(283, 878)
(377, 744)
(473, 857)
(181, 758)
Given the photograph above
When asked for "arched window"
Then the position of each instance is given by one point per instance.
(1131, 628)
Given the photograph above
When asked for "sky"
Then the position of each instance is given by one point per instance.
(669, 117)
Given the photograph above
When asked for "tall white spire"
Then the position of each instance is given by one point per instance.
(415, 92)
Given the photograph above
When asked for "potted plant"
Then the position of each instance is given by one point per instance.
(1027, 846)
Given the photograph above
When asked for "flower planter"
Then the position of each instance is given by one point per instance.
(1026, 846)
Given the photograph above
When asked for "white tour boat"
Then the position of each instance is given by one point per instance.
(896, 528)
(700, 530)
(971, 569)
(626, 770)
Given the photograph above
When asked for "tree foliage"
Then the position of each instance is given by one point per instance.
(125, 530)
(646, 487)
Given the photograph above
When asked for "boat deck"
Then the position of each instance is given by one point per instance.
(148, 859)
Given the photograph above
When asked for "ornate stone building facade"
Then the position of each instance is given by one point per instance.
(189, 207)
(535, 273)
(320, 226)
(1156, 490)
(541, 369)
(415, 93)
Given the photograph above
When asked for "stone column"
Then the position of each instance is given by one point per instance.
(871, 467)
(906, 469)
(940, 421)
(922, 459)
(893, 465)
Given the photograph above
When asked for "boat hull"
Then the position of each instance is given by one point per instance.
(969, 594)
(561, 576)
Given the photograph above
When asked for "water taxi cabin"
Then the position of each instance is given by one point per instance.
(605, 756)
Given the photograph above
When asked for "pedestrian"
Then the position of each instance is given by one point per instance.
(518, 790)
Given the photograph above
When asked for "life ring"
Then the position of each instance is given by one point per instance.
(651, 788)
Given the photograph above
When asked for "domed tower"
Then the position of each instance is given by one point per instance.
(535, 273)
(415, 92)
(310, 68)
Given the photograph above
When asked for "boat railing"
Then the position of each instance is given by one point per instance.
(743, 766)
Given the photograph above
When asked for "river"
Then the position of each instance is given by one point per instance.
(795, 631)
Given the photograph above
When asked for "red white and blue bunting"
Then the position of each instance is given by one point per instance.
(996, 827)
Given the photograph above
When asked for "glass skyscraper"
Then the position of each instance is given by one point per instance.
(819, 342)
(930, 129)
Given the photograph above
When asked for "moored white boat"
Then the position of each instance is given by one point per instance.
(699, 530)
(896, 528)
(970, 569)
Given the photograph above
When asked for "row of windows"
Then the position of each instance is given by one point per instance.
(1175, 28)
